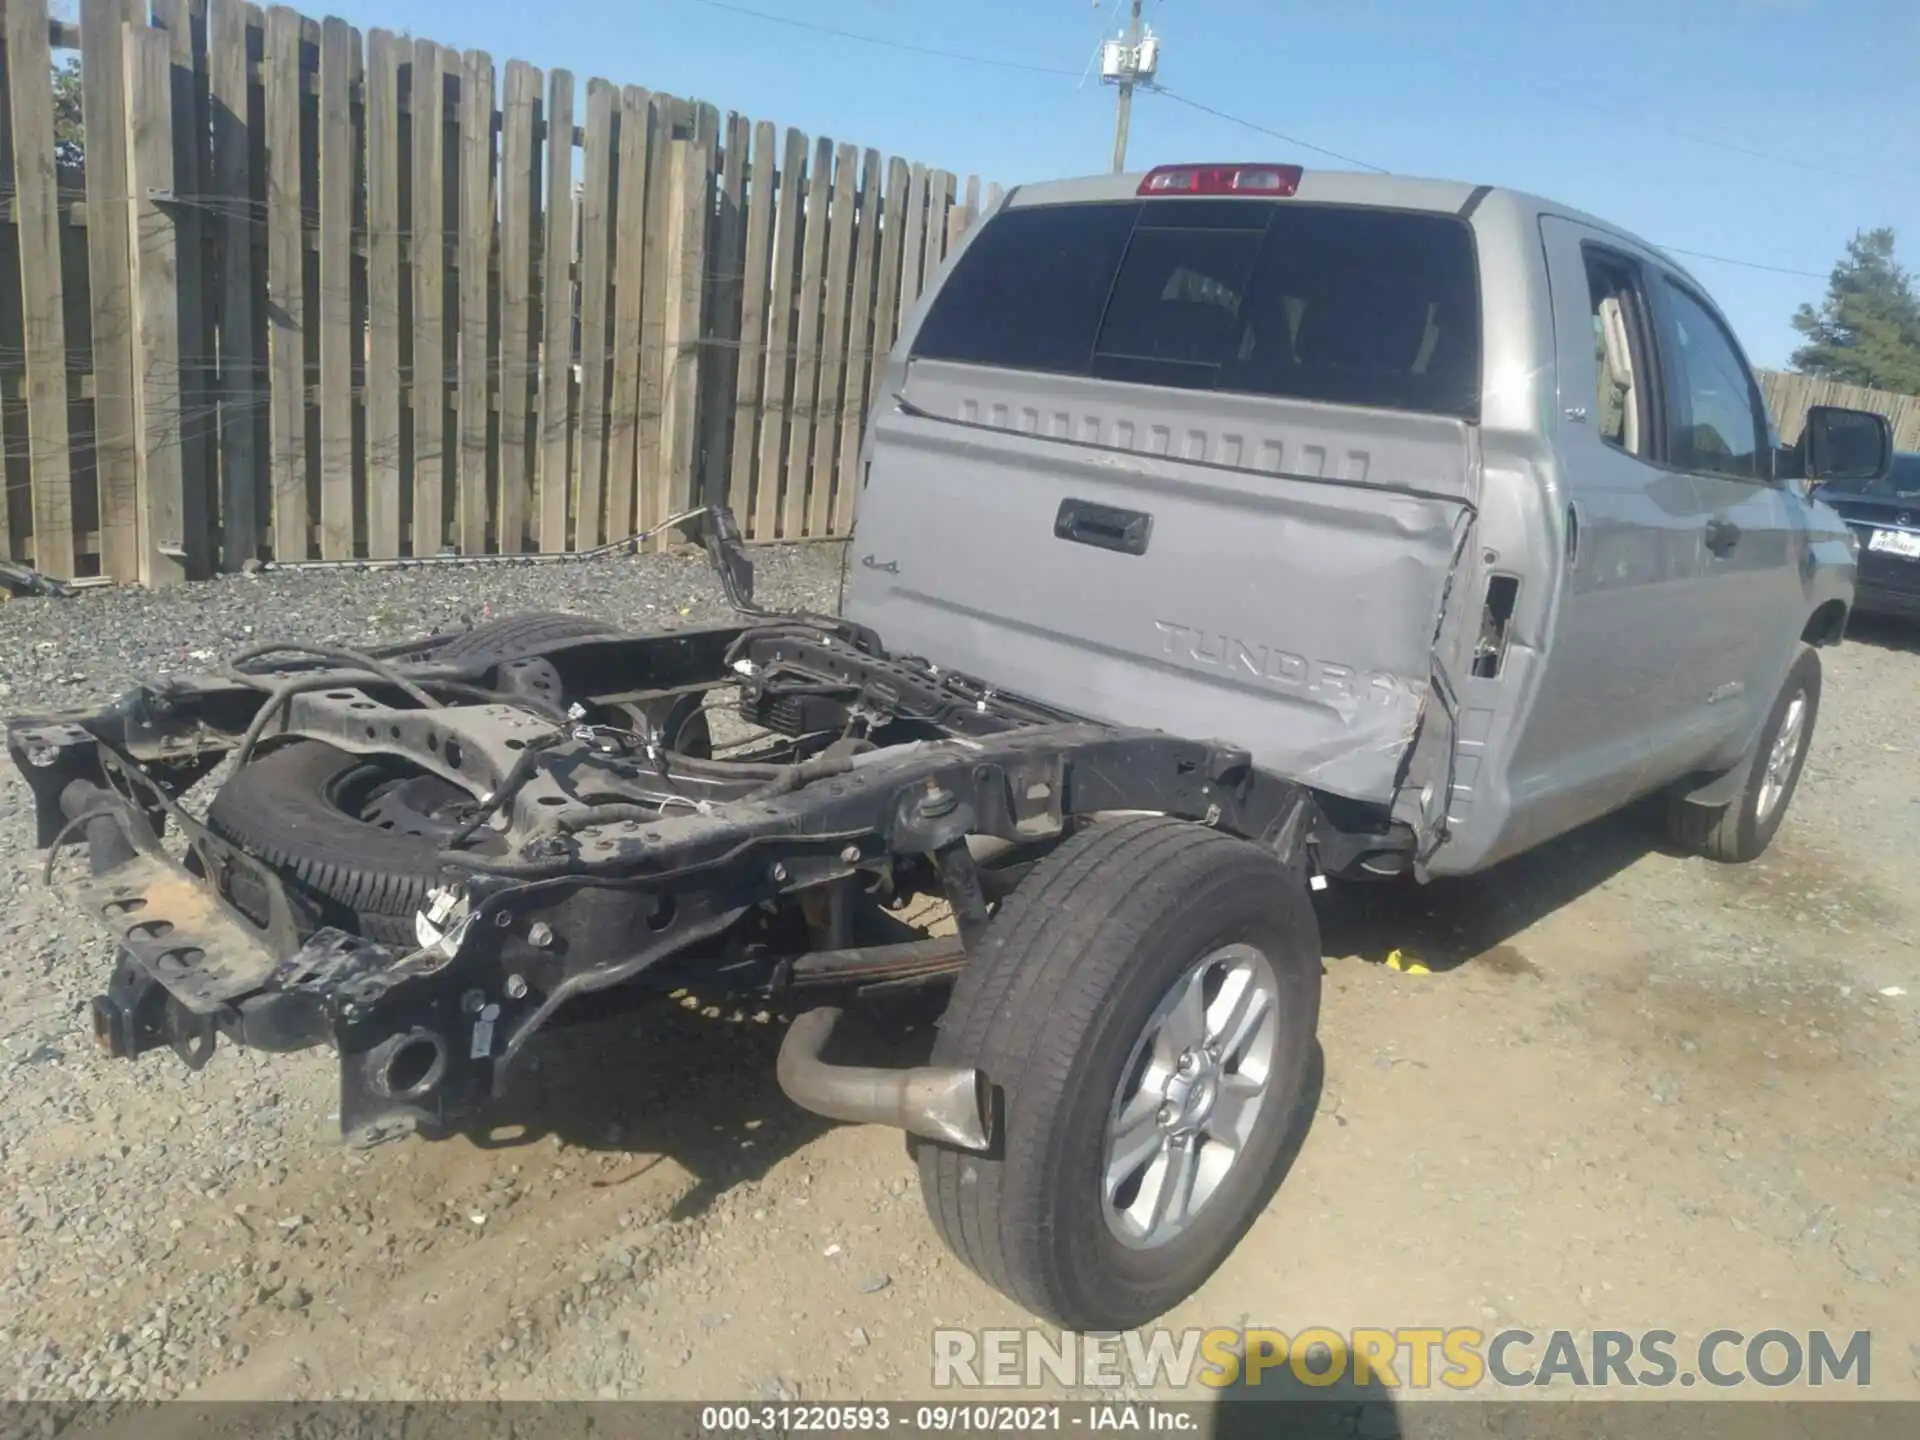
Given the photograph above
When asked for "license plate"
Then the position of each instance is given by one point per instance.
(1895, 542)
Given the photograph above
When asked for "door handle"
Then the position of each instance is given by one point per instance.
(1085, 523)
(1722, 536)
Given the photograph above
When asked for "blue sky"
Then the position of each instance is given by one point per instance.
(1765, 130)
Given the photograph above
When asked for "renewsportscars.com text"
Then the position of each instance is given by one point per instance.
(1413, 1358)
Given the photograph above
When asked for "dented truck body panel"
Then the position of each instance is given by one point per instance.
(1323, 663)
(1383, 593)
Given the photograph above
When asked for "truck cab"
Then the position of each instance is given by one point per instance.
(1458, 505)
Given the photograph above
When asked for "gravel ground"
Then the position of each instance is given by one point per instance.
(1635, 1091)
(117, 1271)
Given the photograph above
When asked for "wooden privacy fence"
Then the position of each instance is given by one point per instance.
(314, 297)
(306, 295)
(1789, 396)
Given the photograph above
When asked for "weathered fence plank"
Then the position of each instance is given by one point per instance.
(185, 27)
(259, 400)
(103, 83)
(427, 250)
(939, 198)
(886, 304)
(476, 247)
(383, 294)
(519, 211)
(833, 339)
(16, 480)
(860, 340)
(961, 215)
(238, 390)
(29, 69)
(751, 373)
(638, 111)
(665, 116)
(286, 285)
(556, 301)
(153, 243)
(338, 333)
(913, 245)
(597, 201)
(719, 358)
(16, 441)
(684, 267)
(806, 342)
(778, 391)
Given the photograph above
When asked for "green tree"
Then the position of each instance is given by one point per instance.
(1867, 330)
(69, 125)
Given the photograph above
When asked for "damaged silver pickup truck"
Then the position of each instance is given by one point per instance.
(1444, 520)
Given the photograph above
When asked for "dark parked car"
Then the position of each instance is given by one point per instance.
(1885, 514)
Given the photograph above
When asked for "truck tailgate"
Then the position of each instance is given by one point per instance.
(1272, 574)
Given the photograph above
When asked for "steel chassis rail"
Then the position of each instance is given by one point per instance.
(618, 855)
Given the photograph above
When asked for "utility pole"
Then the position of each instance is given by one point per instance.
(1123, 109)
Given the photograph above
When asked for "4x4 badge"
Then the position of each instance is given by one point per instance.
(892, 567)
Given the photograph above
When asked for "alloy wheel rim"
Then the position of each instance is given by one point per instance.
(1783, 756)
(1191, 1096)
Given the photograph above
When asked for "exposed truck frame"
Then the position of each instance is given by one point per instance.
(617, 864)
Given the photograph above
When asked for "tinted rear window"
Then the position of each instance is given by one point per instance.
(1316, 302)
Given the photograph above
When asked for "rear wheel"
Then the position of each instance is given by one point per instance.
(1144, 1007)
(1743, 829)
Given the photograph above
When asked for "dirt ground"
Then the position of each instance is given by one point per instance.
(1636, 1091)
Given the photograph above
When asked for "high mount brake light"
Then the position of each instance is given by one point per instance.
(1278, 180)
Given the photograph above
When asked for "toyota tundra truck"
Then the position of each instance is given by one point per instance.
(1223, 532)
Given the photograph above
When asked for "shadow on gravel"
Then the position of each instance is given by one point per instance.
(1281, 1404)
(1884, 632)
(1450, 923)
(691, 1083)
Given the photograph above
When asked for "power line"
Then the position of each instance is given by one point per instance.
(912, 49)
(1657, 126)
(1745, 264)
(1179, 99)
(1352, 160)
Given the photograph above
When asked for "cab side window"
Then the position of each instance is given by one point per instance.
(1716, 426)
(1623, 396)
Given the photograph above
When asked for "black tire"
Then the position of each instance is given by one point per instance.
(279, 808)
(1069, 975)
(1740, 831)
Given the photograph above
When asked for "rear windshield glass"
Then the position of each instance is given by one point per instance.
(1901, 483)
(1315, 302)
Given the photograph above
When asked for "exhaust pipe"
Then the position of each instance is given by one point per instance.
(947, 1103)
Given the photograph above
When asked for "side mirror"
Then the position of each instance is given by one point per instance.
(1855, 446)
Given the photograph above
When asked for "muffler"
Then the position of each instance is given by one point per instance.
(947, 1103)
